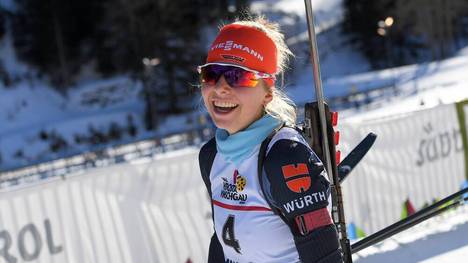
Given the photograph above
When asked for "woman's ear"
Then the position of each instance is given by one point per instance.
(268, 95)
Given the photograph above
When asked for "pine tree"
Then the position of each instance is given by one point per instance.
(2, 23)
(50, 34)
(361, 23)
(422, 29)
(60, 36)
(431, 24)
(168, 30)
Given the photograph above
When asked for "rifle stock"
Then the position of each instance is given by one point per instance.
(315, 137)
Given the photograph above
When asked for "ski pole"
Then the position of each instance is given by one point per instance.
(337, 203)
(410, 221)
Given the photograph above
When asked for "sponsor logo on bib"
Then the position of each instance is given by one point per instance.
(232, 190)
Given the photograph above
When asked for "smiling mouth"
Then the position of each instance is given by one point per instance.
(224, 107)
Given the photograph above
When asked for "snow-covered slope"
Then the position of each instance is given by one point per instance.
(409, 80)
(34, 118)
(442, 239)
(337, 55)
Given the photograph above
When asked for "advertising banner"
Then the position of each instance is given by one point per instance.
(418, 157)
(153, 211)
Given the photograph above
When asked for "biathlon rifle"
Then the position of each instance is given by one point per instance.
(318, 130)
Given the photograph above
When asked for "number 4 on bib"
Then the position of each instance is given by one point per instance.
(228, 234)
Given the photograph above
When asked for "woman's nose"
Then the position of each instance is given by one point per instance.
(222, 86)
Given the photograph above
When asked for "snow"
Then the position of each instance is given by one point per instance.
(324, 10)
(410, 80)
(463, 51)
(439, 239)
(36, 109)
(8, 59)
(334, 48)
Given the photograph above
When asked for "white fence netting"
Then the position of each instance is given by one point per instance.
(154, 211)
(417, 156)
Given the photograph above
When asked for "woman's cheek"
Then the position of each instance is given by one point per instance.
(204, 93)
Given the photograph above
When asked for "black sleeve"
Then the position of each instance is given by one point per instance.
(215, 254)
(295, 184)
(205, 160)
(297, 179)
(321, 246)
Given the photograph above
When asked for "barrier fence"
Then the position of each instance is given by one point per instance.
(418, 157)
(156, 210)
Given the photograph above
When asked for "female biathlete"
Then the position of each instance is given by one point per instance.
(269, 190)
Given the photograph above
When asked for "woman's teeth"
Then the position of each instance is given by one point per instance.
(224, 104)
(224, 107)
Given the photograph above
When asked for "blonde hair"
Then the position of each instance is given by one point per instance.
(281, 107)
